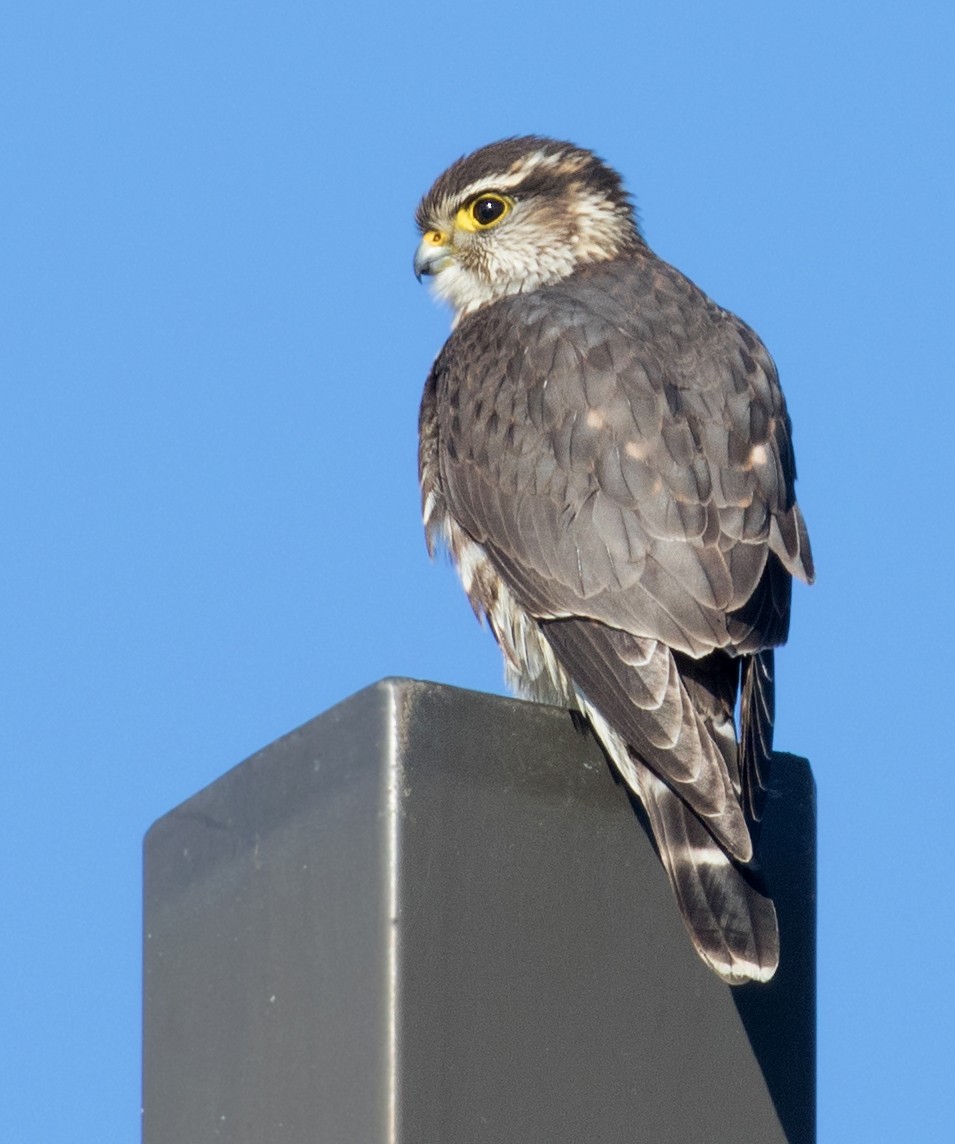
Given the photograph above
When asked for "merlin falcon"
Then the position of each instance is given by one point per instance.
(607, 456)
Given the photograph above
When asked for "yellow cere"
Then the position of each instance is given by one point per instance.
(435, 238)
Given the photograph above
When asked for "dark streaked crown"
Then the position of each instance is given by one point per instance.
(526, 165)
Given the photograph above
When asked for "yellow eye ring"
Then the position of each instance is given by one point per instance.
(486, 210)
(483, 212)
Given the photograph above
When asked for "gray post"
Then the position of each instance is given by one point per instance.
(431, 916)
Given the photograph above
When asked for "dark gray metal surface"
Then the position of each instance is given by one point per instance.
(431, 917)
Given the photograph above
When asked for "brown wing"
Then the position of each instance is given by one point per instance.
(619, 448)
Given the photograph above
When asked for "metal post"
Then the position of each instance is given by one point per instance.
(431, 916)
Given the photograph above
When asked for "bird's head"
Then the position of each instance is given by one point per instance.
(517, 215)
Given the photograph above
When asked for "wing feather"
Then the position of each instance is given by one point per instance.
(614, 455)
(623, 441)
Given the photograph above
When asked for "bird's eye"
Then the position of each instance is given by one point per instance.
(483, 211)
(488, 209)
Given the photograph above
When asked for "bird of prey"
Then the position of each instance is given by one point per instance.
(607, 456)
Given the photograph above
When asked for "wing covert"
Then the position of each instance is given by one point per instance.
(626, 463)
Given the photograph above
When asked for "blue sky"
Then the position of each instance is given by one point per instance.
(213, 349)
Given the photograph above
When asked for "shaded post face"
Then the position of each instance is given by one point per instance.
(431, 916)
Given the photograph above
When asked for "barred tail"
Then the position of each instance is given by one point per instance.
(731, 923)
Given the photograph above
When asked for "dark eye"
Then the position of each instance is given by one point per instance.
(488, 209)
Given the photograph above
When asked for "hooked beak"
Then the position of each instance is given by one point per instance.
(433, 254)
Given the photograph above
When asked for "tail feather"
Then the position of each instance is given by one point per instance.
(666, 722)
(732, 924)
(757, 716)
